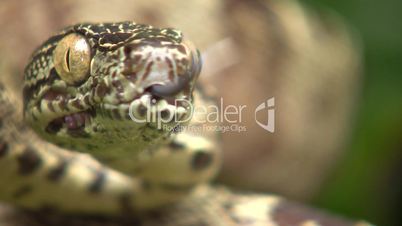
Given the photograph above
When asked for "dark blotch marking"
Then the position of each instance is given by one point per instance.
(148, 70)
(63, 104)
(116, 114)
(22, 191)
(95, 82)
(51, 95)
(50, 106)
(57, 173)
(3, 148)
(201, 160)
(102, 90)
(114, 38)
(54, 126)
(118, 85)
(98, 183)
(29, 91)
(77, 104)
(174, 145)
(170, 64)
(145, 138)
(126, 206)
(39, 107)
(171, 74)
(127, 50)
(127, 115)
(86, 100)
(182, 49)
(28, 161)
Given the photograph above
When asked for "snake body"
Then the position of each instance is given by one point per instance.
(79, 88)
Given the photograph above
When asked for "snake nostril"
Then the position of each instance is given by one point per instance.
(172, 88)
(127, 50)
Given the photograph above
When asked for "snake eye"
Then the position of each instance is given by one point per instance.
(72, 58)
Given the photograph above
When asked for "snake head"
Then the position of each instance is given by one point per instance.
(115, 83)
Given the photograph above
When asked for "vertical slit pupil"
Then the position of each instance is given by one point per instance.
(68, 59)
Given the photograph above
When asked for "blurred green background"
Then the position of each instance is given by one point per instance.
(368, 183)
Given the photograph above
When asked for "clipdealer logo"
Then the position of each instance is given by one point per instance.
(268, 105)
(207, 116)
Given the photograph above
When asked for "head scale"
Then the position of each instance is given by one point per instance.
(112, 83)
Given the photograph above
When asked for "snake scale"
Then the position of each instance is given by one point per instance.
(79, 88)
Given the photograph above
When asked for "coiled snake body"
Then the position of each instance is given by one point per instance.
(82, 89)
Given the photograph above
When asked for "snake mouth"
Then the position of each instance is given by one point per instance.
(74, 123)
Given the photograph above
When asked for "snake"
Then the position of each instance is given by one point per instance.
(82, 90)
(70, 142)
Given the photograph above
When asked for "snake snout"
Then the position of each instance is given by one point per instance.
(174, 87)
(192, 64)
(163, 68)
